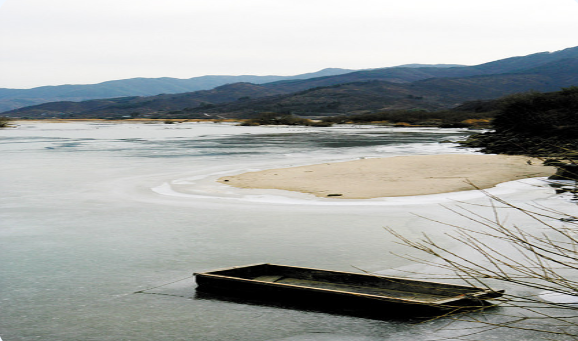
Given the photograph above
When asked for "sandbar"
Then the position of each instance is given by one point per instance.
(395, 176)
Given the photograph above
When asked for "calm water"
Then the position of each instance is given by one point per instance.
(93, 212)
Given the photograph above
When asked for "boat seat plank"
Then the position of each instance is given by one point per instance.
(271, 279)
(409, 295)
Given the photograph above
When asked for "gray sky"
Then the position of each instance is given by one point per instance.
(79, 42)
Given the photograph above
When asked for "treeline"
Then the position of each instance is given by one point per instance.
(272, 118)
(443, 119)
(476, 114)
(537, 124)
(553, 114)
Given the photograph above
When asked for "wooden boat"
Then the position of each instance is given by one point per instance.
(344, 290)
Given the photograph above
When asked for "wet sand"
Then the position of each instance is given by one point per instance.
(395, 176)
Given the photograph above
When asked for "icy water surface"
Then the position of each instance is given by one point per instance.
(91, 213)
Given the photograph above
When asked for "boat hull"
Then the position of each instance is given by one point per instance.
(386, 296)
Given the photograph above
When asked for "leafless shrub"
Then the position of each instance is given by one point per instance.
(540, 267)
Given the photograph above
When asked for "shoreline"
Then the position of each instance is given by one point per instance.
(396, 176)
(123, 120)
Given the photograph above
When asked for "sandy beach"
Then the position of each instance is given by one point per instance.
(395, 176)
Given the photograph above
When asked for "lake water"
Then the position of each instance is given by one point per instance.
(93, 212)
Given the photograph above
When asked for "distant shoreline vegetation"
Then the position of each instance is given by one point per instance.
(397, 118)
(5, 122)
(472, 114)
(404, 118)
(272, 118)
(534, 124)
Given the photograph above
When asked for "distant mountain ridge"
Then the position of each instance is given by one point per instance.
(425, 94)
(17, 98)
(426, 87)
(146, 105)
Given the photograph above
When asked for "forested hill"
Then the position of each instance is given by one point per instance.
(428, 88)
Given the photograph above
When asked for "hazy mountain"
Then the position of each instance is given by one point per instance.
(430, 65)
(412, 74)
(17, 98)
(378, 89)
(121, 106)
(427, 94)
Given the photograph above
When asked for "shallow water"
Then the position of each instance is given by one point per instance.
(93, 212)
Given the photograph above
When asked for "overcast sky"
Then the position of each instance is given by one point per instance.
(79, 42)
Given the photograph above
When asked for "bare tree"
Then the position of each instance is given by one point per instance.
(541, 266)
